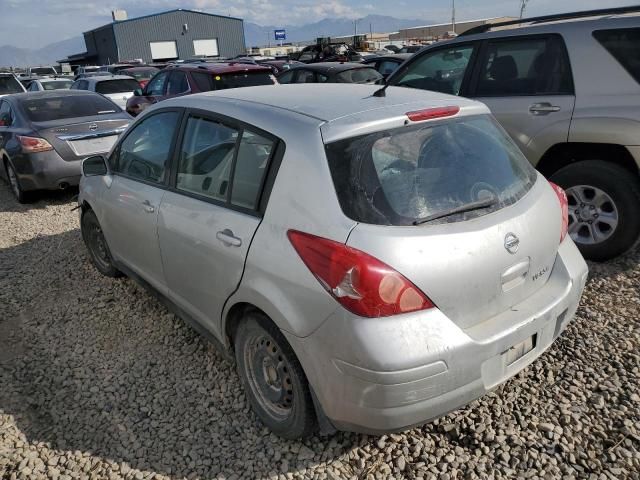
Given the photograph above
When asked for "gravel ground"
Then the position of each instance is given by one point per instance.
(97, 380)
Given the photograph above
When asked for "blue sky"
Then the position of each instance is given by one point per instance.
(34, 23)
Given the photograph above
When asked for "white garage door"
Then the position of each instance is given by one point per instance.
(206, 47)
(163, 50)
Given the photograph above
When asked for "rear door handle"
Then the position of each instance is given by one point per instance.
(148, 207)
(227, 237)
(543, 108)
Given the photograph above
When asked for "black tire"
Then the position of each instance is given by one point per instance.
(623, 188)
(282, 402)
(97, 245)
(14, 184)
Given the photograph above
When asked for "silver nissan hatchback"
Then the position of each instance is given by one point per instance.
(371, 260)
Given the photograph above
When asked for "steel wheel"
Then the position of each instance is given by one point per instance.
(593, 216)
(269, 375)
(98, 246)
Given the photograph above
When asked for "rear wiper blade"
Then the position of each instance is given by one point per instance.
(469, 207)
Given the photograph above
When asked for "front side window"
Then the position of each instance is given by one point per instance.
(387, 67)
(145, 153)
(206, 157)
(441, 71)
(177, 83)
(528, 66)
(155, 87)
(623, 44)
(305, 76)
(402, 176)
(286, 77)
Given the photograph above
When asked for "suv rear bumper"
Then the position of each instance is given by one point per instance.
(388, 374)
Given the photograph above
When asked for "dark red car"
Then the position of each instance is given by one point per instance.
(141, 74)
(189, 78)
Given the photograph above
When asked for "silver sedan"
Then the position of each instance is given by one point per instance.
(372, 259)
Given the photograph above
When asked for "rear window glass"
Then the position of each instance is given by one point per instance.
(106, 87)
(244, 79)
(142, 74)
(359, 75)
(624, 45)
(43, 71)
(404, 175)
(57, 85)
(8, 84)
(47, 109)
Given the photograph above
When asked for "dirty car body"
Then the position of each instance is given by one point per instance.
(401, 248)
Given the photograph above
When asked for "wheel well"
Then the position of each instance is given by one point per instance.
(564, 154)
(233, 320)
(86, 206)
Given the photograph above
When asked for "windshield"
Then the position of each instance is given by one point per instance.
(401, 176)
(47, 109)
(57, 84)
(8, 84)
(107, 87)
(359, 75)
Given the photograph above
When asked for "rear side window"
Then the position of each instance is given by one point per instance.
(107, 87)
(400, 176)
(624, 45)
(8, 84)
(251, 165)
(204, 81)
(47, 109)
(359, 75)
(177, 83)
(305, 76)
(526, 66)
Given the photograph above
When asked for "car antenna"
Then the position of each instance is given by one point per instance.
(381, 92)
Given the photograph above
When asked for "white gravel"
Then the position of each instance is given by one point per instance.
(97, 380)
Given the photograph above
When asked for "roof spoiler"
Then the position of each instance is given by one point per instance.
(552, 18)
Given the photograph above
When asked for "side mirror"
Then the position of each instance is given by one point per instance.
(93, 166)
(137, 92)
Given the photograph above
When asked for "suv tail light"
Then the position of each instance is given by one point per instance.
(564, 209)
(34, 144)
(359, 282)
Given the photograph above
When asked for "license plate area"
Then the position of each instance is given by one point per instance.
(91, 146)
(519, 350)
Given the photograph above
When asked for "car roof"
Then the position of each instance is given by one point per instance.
(325, 102)
(51, 94)
(219, 68)
(326, 67)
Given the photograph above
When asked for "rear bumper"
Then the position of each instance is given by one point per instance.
(47, 171)
(382, 375)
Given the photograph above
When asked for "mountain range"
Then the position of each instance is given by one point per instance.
(254, 35)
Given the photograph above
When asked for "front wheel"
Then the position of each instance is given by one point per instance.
(97, 245)
(604, 200)
(273, 378)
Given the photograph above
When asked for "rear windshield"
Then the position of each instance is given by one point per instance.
(624, 45)
(43, 71)
(404, 175)
(211, 81)
(8, 84)
(142, 74)
(106, 87)
(359, 75)
(57, 85)
(47, 109)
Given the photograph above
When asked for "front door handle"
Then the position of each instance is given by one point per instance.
(148, 207)
(543, 108)
(227, 237)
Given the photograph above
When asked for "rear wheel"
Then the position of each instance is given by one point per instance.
(97, 245)
(14, 183)
(604, 200)
(273, 378)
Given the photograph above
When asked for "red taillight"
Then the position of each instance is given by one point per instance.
(431, 113)
(34, 144)
(564, 207)
(359, 282)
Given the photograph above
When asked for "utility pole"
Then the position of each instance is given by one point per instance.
(523, 6)
(453, 15)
